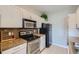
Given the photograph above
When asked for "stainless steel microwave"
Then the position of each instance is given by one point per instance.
(29, 23)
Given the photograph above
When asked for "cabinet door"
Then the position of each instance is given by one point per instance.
(42, 42)
(10, 16)
(25, 14)
(72, 25)
(21, 50)
(39, 22)
(77, 18)
(72, 21)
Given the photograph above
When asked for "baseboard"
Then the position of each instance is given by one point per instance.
(60, 45)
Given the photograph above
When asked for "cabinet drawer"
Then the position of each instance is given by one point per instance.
(21, 51)
(19, 47)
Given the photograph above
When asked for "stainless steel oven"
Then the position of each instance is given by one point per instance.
(34, 47)
(33, 42)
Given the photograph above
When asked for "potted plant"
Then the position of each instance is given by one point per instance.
(44, 16)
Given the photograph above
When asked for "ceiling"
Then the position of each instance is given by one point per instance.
(51, 8)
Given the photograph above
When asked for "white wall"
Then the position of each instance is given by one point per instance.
(59, 32)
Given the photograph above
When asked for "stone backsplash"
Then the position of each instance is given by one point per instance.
(7, 33)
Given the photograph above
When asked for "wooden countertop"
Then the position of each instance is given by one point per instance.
(10, 43)
(74, 39)
(39, 34)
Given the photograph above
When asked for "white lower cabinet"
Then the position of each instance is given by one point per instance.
(42, 42)
(21, 49)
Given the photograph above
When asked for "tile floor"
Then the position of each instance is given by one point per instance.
(55, 50)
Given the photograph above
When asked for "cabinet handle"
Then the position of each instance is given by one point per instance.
(76, 25)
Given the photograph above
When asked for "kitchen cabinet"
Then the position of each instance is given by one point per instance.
(72, 25)
(39, 22)
(77, 18)
(26, 14)
(30, 16)
(33, 17)
(73, 45)
(72, 21)
(42, 42)
(10, 16)
(21, 49)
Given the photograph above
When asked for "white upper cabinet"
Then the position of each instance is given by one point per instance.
(10, 16)
(39, 22)
(77, 18)
(31, 16)
(72, 21)
(25, 14)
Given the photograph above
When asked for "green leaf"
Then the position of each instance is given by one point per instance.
(44, 16)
